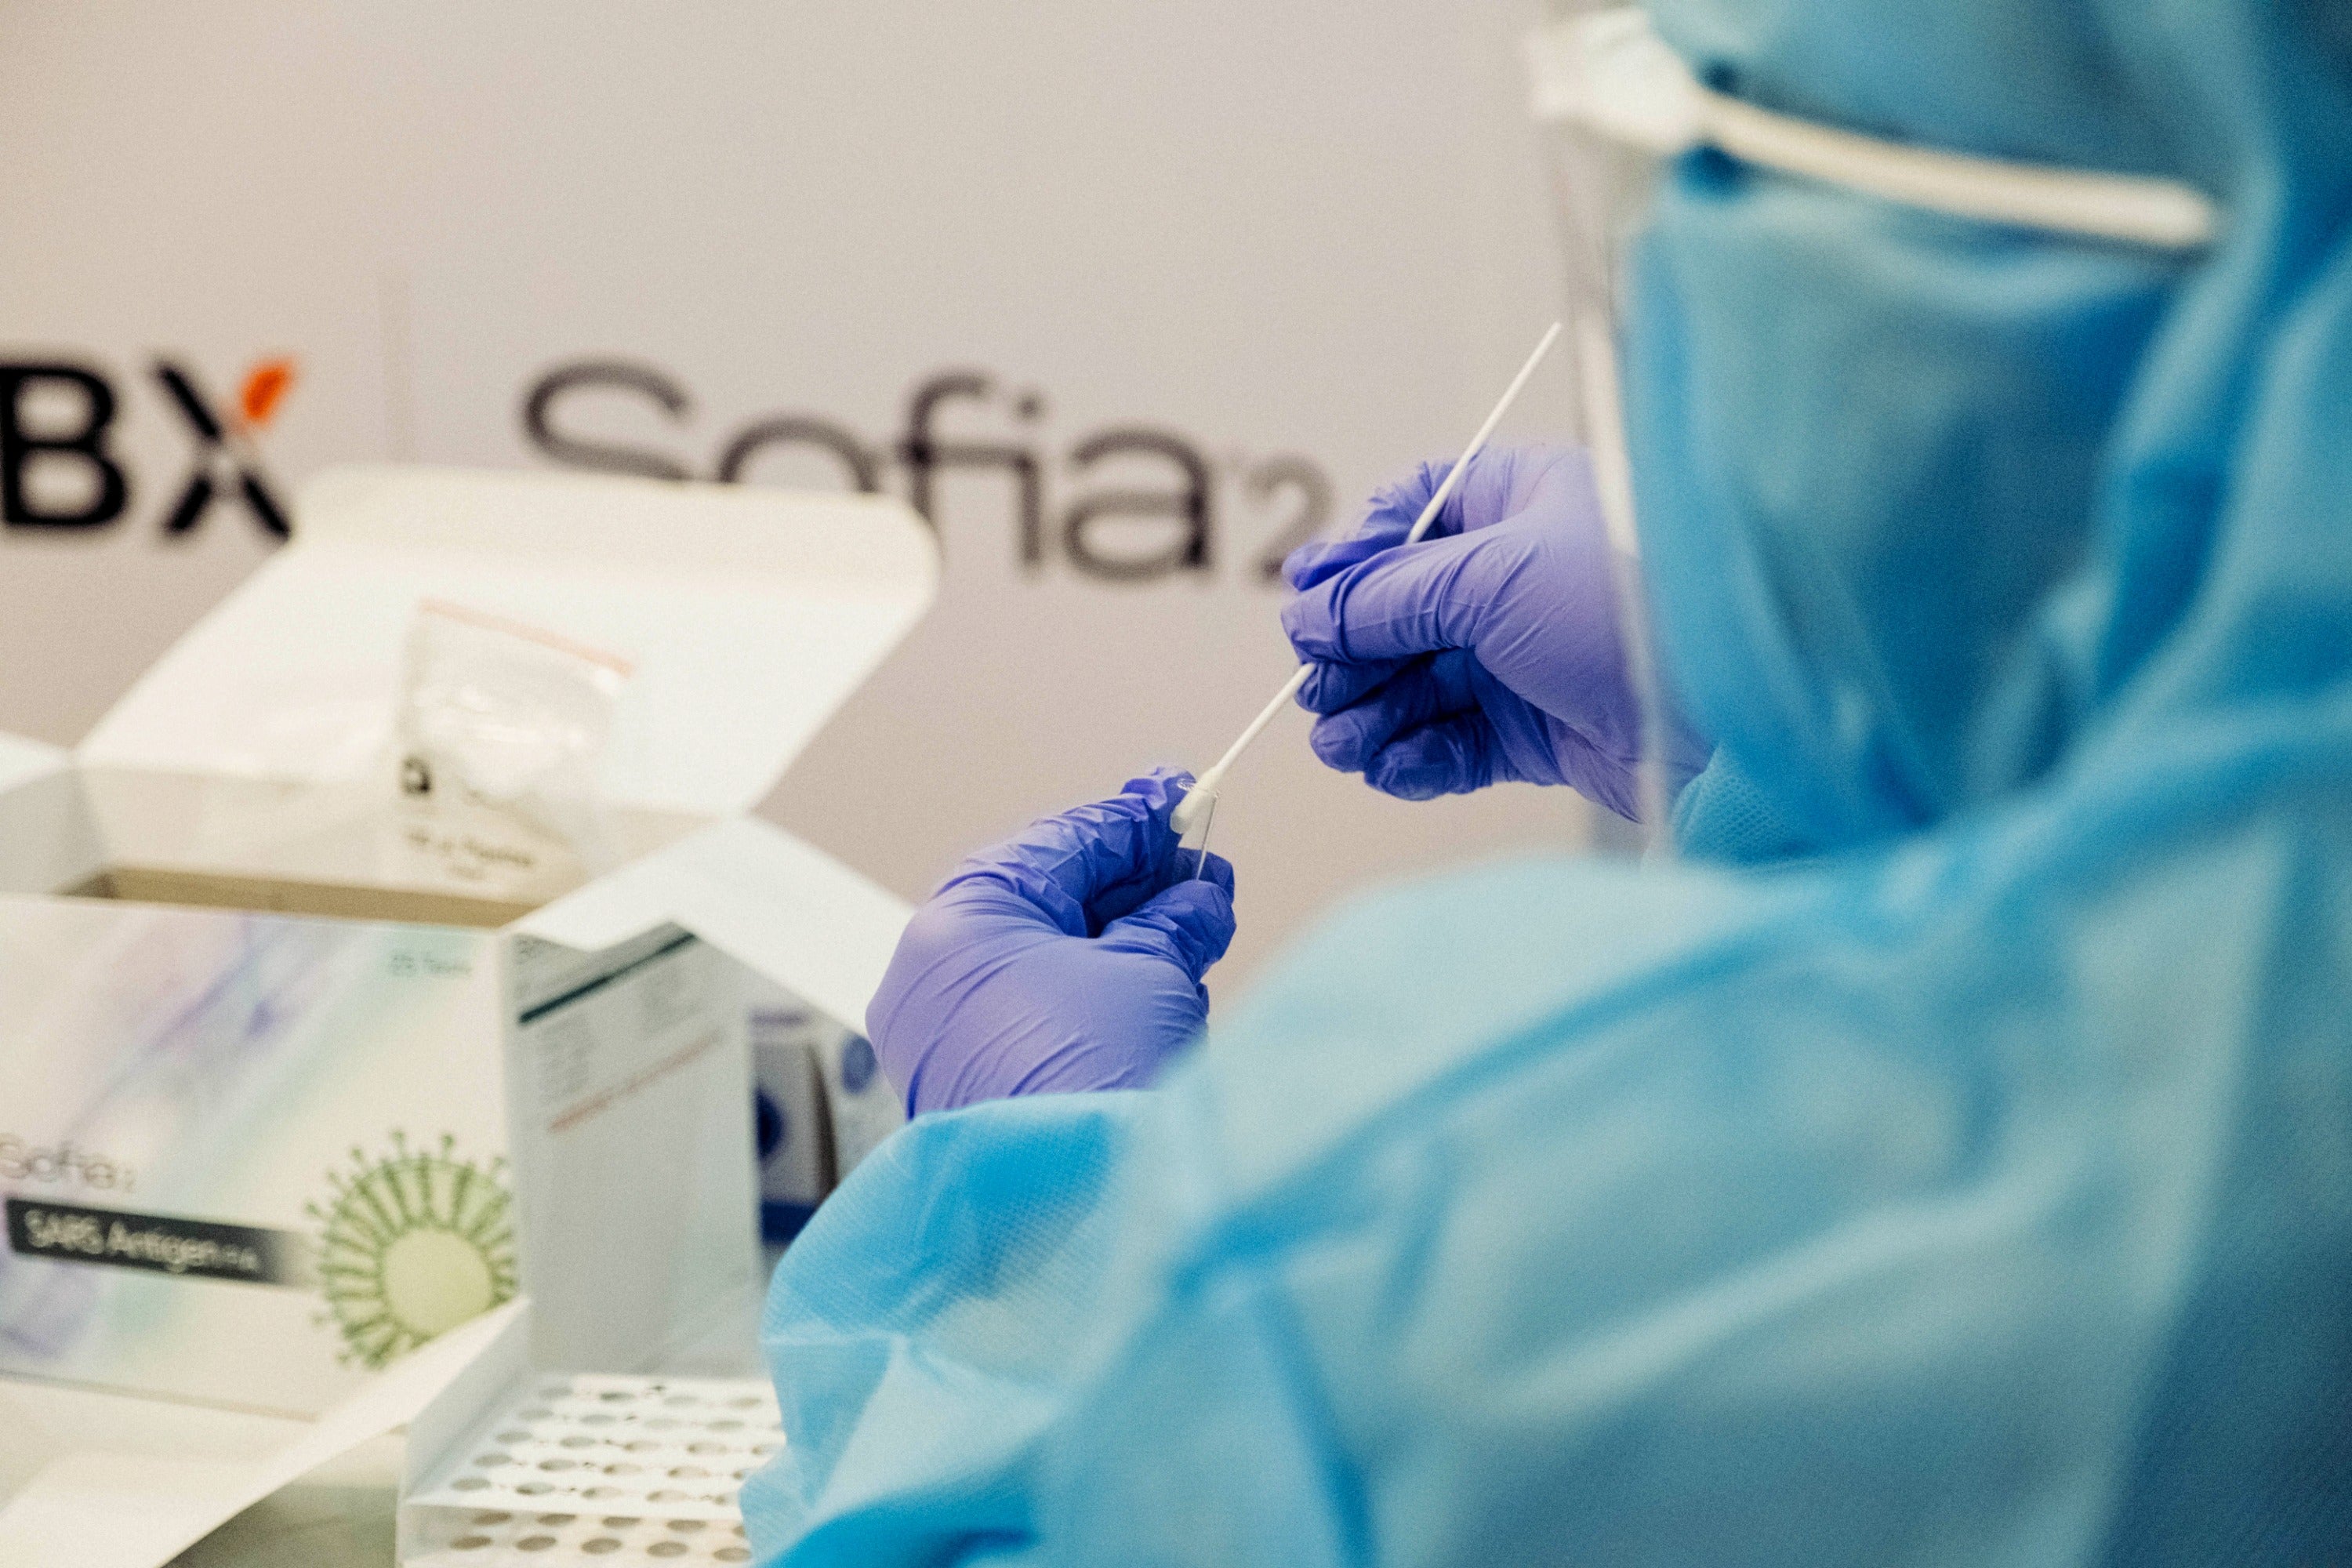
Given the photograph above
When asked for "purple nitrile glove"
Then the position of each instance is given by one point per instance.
(1068, 957)
(1489, 651)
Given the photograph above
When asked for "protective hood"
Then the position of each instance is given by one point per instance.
(1935, 510)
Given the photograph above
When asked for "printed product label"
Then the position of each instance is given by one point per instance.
(164, 1244)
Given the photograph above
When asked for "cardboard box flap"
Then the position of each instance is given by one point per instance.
(46, 837)
(21, 760)
(749, 616)
(767, 898)
(142, 1509)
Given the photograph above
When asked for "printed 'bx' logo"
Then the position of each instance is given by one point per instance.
(61, 417)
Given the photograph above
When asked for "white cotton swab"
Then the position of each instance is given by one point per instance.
(1190, 819)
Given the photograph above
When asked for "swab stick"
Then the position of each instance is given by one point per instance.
(1199, 804)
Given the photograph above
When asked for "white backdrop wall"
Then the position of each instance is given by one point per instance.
(1223, 256)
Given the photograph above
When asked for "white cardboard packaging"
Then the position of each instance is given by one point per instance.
(264, 1098)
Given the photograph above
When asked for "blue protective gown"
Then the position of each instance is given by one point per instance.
(1959, 1170)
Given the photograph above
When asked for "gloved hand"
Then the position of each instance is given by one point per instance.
(1067, 958)
(1489, 652)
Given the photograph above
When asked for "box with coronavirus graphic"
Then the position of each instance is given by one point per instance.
(296, 1074)
(227, 1140)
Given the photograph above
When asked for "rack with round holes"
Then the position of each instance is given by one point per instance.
(604, 1469)
(490, 1538)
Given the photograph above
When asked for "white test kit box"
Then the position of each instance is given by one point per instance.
(285, 1089)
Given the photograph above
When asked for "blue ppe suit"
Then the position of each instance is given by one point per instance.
(1973, 1187)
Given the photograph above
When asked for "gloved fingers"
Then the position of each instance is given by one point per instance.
(1188, 925)
(1070, 868)
(1388, 517)
(1419, 600)
(1396, 506)
(1123, 899)
(1425, 691)
(947, 950)
(1454, 756)
(1313, 561)
(1500, 484)
(1219, 870)
(1333, 685)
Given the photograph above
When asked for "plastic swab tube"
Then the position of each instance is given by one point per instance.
(1190, 819)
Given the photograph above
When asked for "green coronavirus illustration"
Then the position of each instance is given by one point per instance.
(414, 1242)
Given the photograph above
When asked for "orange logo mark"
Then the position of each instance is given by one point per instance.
(266, 387)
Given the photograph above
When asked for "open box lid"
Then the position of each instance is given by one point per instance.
(749, 616)
(46, 838)
(22, 759)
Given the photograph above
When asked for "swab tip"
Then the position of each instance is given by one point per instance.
(1198, 802)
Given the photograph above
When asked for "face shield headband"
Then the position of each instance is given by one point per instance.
(1623, 103)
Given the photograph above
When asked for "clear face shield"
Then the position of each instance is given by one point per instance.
(1618, 107)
